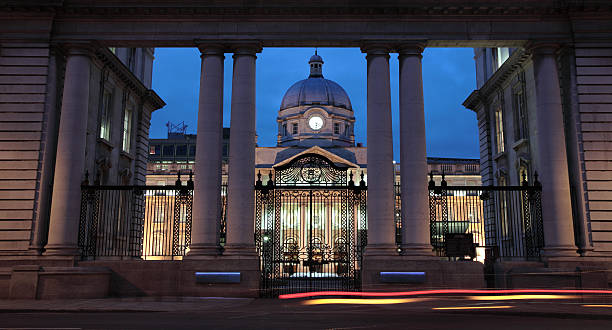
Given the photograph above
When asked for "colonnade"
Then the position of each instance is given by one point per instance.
(381, 198)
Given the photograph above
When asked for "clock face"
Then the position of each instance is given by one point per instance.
(315, 122)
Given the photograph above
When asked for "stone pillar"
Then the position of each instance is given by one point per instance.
(41, 224)
(553, 168)
(70, 158)
(241, 176)
(209, 144)
(381, 195)
(413, 155)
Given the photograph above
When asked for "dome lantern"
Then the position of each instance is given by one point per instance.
(316, 65)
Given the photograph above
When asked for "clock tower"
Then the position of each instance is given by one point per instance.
(316, 112)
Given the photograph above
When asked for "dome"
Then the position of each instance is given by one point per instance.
(313, 91)
(316, 90)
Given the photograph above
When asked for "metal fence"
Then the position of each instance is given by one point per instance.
(148, 222)
(501, 221)
(154, 222)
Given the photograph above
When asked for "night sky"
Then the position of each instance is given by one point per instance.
(448, 78)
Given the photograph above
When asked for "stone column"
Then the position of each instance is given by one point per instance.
(209, 145)
(241, 176)
(413, 155)
(381, 195)
(553, 168)
(70, 158)
(40, 226)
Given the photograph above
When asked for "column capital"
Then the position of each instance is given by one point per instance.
(247, 48)
(411, 49)
(542, 48)
(376, 49)
(208, 49)
(79, 48)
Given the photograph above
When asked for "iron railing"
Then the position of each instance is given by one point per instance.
(149, 222)
(154, 222)
(504, 221)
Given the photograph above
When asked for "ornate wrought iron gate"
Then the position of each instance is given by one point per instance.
(310, 227)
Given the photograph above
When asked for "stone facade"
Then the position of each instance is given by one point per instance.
(115, 152)
(567, 43)
(506, 105)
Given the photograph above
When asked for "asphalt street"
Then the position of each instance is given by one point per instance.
(425, 313)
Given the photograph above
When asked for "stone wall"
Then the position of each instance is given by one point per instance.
(24, 86)
(594, 87)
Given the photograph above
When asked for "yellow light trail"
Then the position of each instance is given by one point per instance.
(522, 297)
(471, 307)
(603, 306)
(362, 301)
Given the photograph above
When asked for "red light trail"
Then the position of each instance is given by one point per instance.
(436, 292)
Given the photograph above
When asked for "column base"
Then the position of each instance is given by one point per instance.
(61, 250)
(241, 250)
(559, 251)
(380, 250)
(417, 250)
(203, 250)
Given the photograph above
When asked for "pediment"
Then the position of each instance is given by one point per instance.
(337, 160)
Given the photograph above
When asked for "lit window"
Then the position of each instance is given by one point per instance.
(113, 50)
(336, 128)
(105, 115)
(499, 130)
(502, 55)
(294, 128)
(151, 150)
(127, 129)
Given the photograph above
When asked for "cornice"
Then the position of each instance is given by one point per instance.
(480, 96)
(362, 8)
(111, 61)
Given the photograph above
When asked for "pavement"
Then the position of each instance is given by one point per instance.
(443, 312)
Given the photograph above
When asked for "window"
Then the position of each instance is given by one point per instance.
(168, 150)
(105, 115)
(181, 150)
(131, 58)
(336, 128)
(284, 129)
(499, 130)
(523, 174)
(347, 130)
(503, 207)
(294, 128)
(127, 128)
(113, 50)
(502, 55)
(155, 150)
(192, 150)
(520, 117)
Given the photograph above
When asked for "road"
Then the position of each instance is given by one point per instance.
(300, 314)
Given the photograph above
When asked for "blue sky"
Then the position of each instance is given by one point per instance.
(448, 78)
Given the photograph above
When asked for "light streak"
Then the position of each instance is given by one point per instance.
(438, 292)
(522, 297)
(357, 301)
(471, 307)
(602, 306)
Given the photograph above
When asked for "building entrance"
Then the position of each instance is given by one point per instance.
(310, 227)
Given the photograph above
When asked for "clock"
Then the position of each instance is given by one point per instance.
(315, 122)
